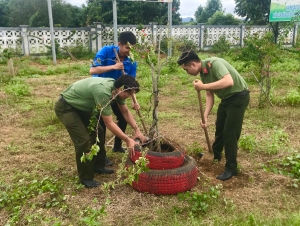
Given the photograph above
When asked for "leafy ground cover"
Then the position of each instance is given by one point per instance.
(38, 183)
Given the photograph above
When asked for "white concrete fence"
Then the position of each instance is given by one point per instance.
(33, 40)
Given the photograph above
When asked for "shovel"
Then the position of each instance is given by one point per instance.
(203, 121)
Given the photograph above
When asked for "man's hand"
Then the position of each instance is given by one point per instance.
(198, 85)
(135, 106)
(118, 66)
(139, 135)
(204, 125)
(130, 145)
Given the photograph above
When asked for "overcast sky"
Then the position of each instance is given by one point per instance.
(187, 7)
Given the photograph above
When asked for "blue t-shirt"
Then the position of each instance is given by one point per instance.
(106, 57)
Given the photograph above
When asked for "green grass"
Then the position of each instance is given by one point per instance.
(38, 184)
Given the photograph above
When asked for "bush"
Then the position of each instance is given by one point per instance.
(80, 51)
(184, 44)
(293, 97)
(221, 46)
(17, 88)
(248, 143)
(164, 45)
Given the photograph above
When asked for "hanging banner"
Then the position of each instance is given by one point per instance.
(283, 10)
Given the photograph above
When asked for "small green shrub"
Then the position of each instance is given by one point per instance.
(80, 51)
(44, 61)
(181, 44)
(293, 97)
(275, 141)
(28, 70)
(164, 45)
(248, 143)
(3, 60)
(289, 166)
(172, 65)
(184, 44)
(20, 192)
(199, 203)
(221, 46)
(93, 216)
(17, 88)
(195, 148)
(8, 53)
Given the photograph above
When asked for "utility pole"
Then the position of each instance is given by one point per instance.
(51, 31)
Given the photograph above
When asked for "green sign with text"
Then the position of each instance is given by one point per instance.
(283, 10)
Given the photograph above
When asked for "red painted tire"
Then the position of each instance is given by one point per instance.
(173, 158)
(167, 182)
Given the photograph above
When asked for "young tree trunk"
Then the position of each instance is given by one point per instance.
(154, 128)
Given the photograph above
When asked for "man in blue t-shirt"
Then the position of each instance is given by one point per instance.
(105, 65)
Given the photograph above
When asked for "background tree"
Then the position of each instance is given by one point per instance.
(131, 12)
(91, 13)
(211, 7)
(254, 11)
(77, 18)
(22, 11)
(198, 11)
(4, 13)
(219, 18)
(65, 14)
(35, 13)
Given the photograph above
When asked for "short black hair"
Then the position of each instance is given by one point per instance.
(187, 57)
(128, 82)
(127, 36)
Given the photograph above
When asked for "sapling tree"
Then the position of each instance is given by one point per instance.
(261, 52)
(150, 53)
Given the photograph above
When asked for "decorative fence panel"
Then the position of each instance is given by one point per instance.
(213, 33)
(33, 40)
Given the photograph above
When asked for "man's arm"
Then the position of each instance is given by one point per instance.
(223, 83)
(103, 69)
(130, 120)
(113, 127)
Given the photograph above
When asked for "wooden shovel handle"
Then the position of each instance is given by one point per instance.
(139, 114)
(118, 59)
(203, 121)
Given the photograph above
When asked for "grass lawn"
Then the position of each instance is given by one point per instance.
(38, 183)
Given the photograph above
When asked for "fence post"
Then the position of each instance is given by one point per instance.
(91, 34)
(99, 27)
(25, 40)
(154, 32)
(295, 31)
(201, 35)
(242, 35)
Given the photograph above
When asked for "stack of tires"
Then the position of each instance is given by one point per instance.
(171, 171)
